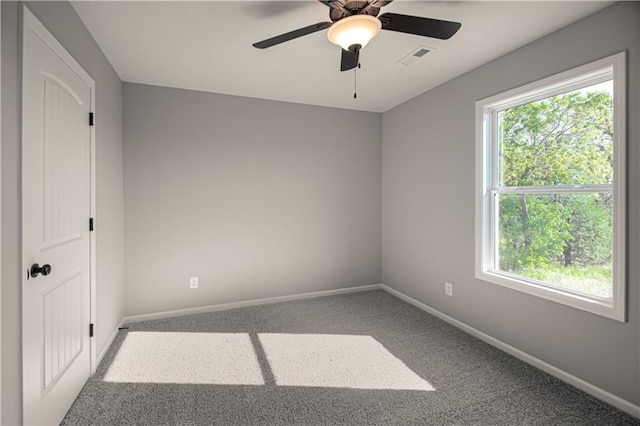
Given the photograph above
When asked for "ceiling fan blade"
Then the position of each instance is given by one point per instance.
(292, 35)
(349, 59)
(426, 27)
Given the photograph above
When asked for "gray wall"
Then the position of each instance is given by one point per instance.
(428, 208)
(66, 26)
(257, 198)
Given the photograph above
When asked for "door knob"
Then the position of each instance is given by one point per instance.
(37, 270)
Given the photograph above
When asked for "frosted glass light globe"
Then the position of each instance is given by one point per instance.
(356, 29)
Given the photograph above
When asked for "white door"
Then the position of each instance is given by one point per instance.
(56, 152)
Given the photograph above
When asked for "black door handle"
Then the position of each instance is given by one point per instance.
(37, 270)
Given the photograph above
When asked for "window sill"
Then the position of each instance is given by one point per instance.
(594, 305)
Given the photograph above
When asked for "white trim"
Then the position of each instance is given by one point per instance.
(601, 394)
(486, 262)
(247, 303)
(550, 85)
(0, 214)
(537, 288)
(557, 189)
(108, 344)
(619, 185)
(93, 261)
(31, 22)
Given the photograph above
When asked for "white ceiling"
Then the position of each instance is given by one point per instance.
(207, 46)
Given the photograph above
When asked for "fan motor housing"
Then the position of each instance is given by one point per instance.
(354, 7)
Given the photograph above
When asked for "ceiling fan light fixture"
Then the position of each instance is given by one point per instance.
(354, 30)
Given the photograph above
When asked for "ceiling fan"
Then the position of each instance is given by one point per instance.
(355, 22)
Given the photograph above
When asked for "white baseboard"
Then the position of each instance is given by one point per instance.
(247, 303)
(587, 387)
(107, 346)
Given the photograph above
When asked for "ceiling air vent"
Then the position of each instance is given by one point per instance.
(417, 53)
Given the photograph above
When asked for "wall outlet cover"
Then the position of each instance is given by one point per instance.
(193, 282)
(448, 289)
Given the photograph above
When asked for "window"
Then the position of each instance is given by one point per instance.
(550, 188)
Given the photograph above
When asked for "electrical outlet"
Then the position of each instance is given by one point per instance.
(448, 289)
(193, 282)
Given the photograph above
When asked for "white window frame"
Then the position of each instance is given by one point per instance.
(612, 67)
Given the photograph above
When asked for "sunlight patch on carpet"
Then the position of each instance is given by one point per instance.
(195, 358)
(337, 361)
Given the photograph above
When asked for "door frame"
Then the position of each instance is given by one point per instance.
(0, 214)
(31, 23)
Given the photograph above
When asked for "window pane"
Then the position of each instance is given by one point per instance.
(561, 140)
(562, 239)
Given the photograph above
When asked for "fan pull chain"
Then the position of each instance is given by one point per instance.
(355, 81)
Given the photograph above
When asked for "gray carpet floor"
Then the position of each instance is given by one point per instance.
(475, 384)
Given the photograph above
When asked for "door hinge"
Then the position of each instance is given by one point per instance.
(91, 224)
(90, 330)
(90, 119)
